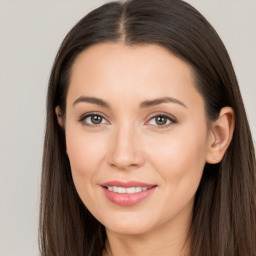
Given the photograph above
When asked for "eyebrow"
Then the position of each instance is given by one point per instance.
(149, 103)
(92, 100)
(144, 104)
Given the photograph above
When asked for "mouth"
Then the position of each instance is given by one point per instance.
(122, 190)
(127, 193)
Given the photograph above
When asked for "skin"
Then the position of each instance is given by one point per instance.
(129, 143)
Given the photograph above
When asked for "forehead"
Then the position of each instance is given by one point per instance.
(118, 71)
(136, 58)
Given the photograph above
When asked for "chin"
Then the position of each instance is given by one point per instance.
(128, 230)
(128, 225)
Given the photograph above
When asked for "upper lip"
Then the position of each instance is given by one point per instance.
(127, 184)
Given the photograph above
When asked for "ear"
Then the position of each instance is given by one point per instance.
(59, 116)
(221, 133)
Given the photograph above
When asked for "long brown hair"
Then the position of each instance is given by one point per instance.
(223, 221)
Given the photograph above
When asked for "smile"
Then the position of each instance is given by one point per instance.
(122, 190)
(128, 193)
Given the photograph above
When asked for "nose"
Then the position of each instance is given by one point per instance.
(125, 150)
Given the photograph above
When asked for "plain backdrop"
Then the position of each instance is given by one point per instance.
(30, 34)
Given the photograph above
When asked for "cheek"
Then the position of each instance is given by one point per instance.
(180, 157)
(85, 153)
(84, 150)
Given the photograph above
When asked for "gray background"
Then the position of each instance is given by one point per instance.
(30, 34)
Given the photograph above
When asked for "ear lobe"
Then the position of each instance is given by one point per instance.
(59, 116)
(221, 134)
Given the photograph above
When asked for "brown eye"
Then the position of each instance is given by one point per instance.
(95, 119)
(161, 120)
(92, 119)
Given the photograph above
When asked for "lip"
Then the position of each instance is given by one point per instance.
(127, 199)
(127, 184)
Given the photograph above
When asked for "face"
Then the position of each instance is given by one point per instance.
(136, 136)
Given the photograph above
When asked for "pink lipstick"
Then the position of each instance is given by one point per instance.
(127, 193)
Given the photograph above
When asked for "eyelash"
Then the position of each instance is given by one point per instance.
(163, 115)
(172, 120)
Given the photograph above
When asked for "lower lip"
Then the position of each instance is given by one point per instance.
(127, 199)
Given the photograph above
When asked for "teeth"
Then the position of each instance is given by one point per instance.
(138, 189)
(130, 190)
(122, 190)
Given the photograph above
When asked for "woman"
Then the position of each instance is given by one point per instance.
(147, 147)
